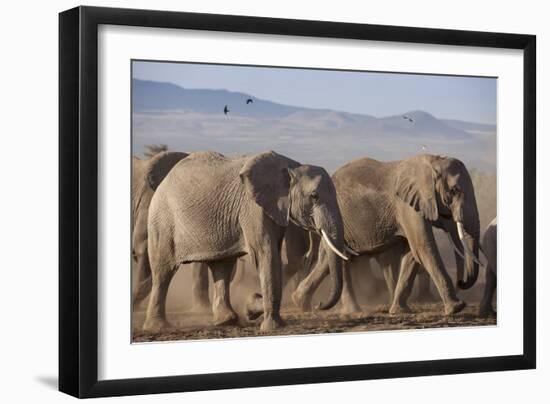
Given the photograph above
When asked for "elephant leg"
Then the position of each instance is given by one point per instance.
(199, 288)
(254, 306)
(434, 266)
(391, 281)
(390, 261)
(304, 292)
(349, 303)
(143, 275)
(424, 291)
(486, 305)
(422, 243)
(269, 266)
(221, 302)
(161, 275)
(291, 270)
(403, 288)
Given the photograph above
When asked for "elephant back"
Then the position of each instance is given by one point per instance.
(160, 165)
(200, 200)
(147, 176)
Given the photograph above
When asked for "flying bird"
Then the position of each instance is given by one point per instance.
(409, 119)
(424, 147)
(249, 101)
(225, 110)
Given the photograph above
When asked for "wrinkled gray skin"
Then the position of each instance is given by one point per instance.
(213, 209)
(489, 246)
(146, 177)
(389, 209)
(297, 257)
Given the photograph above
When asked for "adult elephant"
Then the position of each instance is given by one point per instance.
(213, 209)
(146, 177)
(390, 208)
(489, 245)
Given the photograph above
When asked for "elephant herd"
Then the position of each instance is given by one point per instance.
(208, 210)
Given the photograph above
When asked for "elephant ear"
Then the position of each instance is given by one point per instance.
(416, 186)
(266, 180)
(160, 165)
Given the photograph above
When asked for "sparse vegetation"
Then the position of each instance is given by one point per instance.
(152, 149)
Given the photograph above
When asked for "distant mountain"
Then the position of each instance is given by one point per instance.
(471, 126)
(157, 96)
(193, 119)
(423, 124)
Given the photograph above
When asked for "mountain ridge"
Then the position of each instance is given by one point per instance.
(150, 95)
(193, 119)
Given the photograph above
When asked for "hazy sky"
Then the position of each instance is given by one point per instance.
(378, 94)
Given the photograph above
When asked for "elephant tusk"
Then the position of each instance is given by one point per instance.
(351, 251)
(332, 247)
(460, 228)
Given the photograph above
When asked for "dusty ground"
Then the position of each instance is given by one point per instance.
(371, 294)
(189, 326)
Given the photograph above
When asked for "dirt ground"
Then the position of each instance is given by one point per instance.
(371, 293)
(189, 326)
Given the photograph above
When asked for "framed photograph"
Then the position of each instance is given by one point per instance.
(251, 201)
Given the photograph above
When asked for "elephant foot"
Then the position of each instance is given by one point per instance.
(302, 301)
(454, 307)
(254, 306)
(487, 311)
(271, 324)
(396, 309)
(156, 325)
(225, 317)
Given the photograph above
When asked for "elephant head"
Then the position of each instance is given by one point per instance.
(440, 189)
(304, 195)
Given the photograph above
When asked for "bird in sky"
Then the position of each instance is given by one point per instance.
(249, 101)
(225, 110)
(424, 147)
(409, 119)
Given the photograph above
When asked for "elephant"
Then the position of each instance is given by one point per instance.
(389, 209)
(489, 246)
(214, 209)
(389, 261)
(146, 177)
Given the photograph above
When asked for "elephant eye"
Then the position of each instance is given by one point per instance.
(314, 196)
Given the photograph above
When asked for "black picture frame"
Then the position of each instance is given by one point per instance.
(78, 196)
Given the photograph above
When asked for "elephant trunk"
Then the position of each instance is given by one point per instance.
(468, 233)
(458, 251)
(332, 231)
